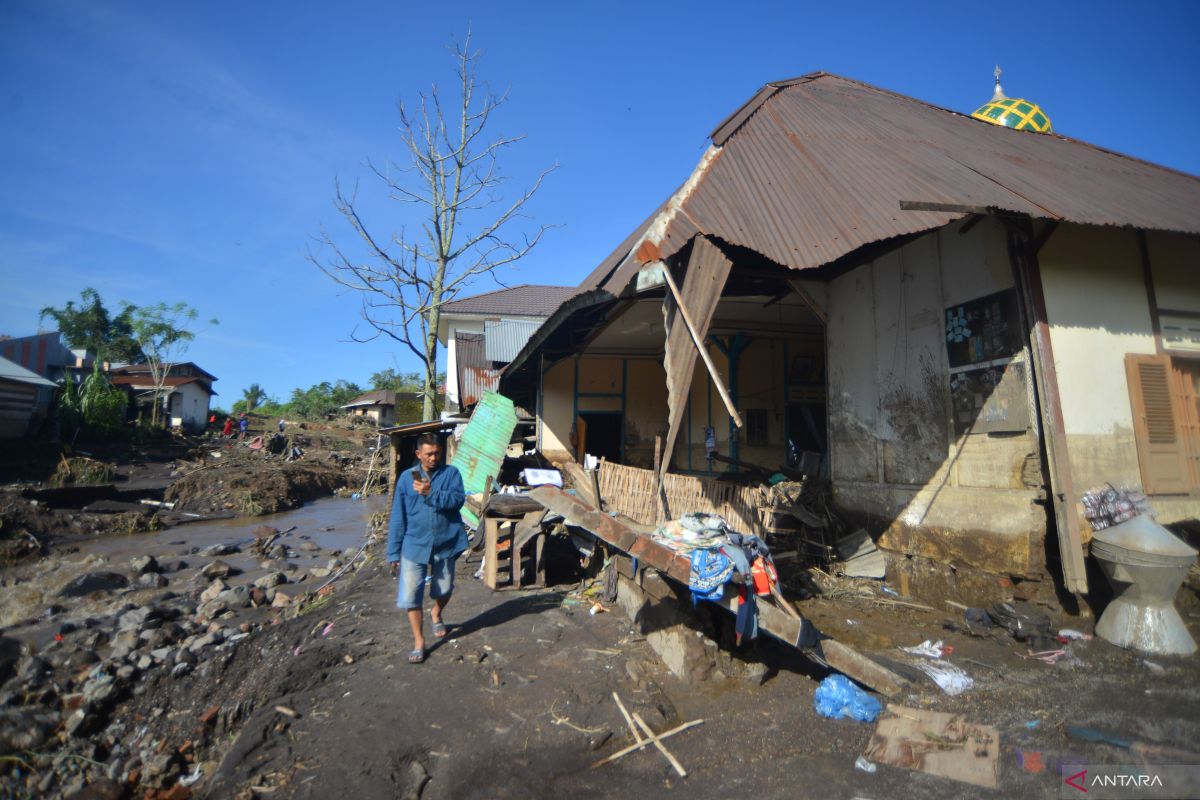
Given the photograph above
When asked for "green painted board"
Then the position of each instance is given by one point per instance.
(483, 444)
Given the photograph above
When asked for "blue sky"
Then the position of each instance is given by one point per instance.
(187, 151)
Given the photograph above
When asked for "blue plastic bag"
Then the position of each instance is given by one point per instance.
(838, 697)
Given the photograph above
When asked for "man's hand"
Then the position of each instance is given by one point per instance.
(421, 487)
(395, 568)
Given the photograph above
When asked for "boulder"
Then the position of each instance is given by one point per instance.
(270, 580)
(123, 644)
(25, 728)
(152, 580)
(93, 582)
(143, 564)
(214, 589)
(310, 547)
(281, 600)
(220, 550)
(218, 569)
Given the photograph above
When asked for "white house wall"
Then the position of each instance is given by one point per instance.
(1099, 311)
(192, 409)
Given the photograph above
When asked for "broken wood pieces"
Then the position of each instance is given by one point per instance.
(634, 721)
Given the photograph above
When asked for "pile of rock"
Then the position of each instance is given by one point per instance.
(61, 705)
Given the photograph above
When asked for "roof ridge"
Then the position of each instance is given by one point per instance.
(1053, 134)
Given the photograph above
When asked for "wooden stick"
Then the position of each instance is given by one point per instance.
(701, 349)
(647, 742)
(661, 747)
(637, 737)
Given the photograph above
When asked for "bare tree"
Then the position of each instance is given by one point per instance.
(453, 176)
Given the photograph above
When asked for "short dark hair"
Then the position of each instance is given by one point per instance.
(428, 438)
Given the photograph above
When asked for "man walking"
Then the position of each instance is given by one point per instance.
(425, 537)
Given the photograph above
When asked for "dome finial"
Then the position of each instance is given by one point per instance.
(998, 94)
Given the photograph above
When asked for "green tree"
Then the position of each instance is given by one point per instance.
(467, 230)
(94, 406)
(91, 326)
(253, 396)
(163, 335)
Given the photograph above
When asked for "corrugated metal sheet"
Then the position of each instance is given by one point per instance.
(475, 373)
(817, 168)
(481, 449)
(503, 339)
(527, 300)
(814, 168)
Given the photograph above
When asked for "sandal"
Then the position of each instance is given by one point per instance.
(439, 629)
(416, 656)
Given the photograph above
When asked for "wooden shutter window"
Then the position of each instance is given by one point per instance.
(1161, 452)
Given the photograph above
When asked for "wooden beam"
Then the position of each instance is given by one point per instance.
(771, 620)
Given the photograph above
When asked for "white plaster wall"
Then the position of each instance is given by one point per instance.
(192, 411)
(1097, 309)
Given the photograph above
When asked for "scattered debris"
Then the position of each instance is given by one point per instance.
(837, 697)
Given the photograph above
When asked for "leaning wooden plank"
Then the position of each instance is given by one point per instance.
(581, 480)
(848, 661)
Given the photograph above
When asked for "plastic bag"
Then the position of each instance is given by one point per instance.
(838, 697)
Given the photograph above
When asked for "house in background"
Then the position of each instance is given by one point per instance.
(21, 410)
(187, 389)
(970, 325)
(379, 406)
(483, 333)
(44, 354)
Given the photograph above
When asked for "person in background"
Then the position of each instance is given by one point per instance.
(282, 425)
(227, 431)
(243, 425)
(425, 538)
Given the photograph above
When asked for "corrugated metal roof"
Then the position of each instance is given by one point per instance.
(528, 300)
(378, 397)
(503, 339)
(814, 168)
(12, 371)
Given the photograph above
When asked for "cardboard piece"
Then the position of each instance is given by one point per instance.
(937, 743)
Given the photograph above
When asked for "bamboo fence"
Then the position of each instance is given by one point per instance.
(630, 491)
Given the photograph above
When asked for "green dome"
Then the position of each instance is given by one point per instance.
(1013, 112)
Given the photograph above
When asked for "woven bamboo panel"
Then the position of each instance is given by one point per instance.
(630, 491)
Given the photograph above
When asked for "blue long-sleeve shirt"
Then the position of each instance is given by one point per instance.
(427, 528)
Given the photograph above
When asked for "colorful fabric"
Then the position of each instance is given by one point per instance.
(710, 571)
(692, 532)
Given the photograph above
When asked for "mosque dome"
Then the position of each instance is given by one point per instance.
(1013, 112)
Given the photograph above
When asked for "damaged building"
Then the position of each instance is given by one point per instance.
(963, 327)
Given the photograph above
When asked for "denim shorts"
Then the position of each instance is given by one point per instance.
(411, 591)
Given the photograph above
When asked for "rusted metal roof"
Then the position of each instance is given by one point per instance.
(811, 169)
(527, 300)
(504, 338)
(814, 168)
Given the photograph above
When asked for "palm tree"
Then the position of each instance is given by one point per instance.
(253, 396)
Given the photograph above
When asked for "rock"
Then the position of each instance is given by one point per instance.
(214, 589)
(161, 770)
(79, 723)
(319, 572)
(264, 532)
(100, 693)
(123, 644)
(143, 564)
(180, 669)
(135, 619)
(94, 582)
(100, 789)
(67, 627)
(185, 656)
(174, 565)
(218, 569)
(333, 563)
(278, 553)
(10, 653)
(154, 637)
(126, 673)
(31, 670)
(81, 658)
(161, 654)
(213, 608)
(145, 662)
(220, 550)
(281, 600)
(202, 642)
(152, 580)
(258, 597)
(271, 580)
(25, 728)
(309, 547)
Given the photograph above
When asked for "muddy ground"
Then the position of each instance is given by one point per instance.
(232, 694)
(197, 477)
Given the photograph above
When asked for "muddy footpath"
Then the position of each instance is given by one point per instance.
(264, 657)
